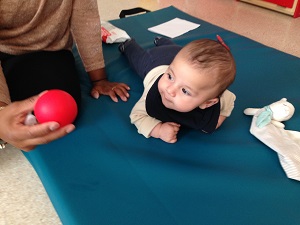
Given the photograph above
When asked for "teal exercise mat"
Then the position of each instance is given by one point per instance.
(106, 173)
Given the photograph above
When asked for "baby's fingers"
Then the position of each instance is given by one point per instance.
(174, 124)
(172, 141)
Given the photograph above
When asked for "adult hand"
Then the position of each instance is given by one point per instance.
(101, 86)
(15, 132)
(113, 89)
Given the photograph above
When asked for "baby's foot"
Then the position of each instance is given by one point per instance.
(156, 40)
(122, 46)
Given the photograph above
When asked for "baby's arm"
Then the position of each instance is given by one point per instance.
(143, 122)
(220, 121)
(166, 131)
(151, 127)
(227, 104)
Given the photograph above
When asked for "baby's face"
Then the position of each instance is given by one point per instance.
(183, 88)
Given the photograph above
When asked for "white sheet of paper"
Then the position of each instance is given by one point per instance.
(174, 27)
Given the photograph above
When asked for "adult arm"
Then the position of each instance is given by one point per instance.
(86, 31)
(4, 93)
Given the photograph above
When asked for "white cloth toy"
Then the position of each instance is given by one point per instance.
(267, 126)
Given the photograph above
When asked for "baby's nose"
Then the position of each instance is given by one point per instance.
(171, 90)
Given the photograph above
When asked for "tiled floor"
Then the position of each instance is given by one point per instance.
(22, 197)
(271, 28)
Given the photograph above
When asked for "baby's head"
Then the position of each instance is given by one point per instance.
(198, 75)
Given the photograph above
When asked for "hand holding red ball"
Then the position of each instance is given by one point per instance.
(56, 105)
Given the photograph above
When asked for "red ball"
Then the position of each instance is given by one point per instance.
(56, 105)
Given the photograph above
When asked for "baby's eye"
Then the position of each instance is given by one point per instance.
(186, 92)
(170, 77)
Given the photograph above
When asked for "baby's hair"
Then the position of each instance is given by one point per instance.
(212, 57)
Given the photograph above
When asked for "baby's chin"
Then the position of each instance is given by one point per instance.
(168, 104)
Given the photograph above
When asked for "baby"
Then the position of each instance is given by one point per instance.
(182, 86)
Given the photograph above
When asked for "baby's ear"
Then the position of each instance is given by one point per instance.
(250, 111)
(209, 103)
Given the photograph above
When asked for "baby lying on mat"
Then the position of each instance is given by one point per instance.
(183, 86)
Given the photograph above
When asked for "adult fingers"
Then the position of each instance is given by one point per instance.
(121, 92)
(95, 93)
(26, 105)
(42, 134)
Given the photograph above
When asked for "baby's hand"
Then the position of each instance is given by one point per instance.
(166, 131)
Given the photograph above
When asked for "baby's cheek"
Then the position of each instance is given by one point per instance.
(161, 84)
(184, 105)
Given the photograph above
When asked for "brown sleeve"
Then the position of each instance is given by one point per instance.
(86, 31)
(4, 93)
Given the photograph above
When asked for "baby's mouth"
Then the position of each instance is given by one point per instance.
(163, 95)
(166, 100)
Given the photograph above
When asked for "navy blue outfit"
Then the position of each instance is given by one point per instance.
(142, 61)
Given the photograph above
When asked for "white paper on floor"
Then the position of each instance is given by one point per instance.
(174, 27)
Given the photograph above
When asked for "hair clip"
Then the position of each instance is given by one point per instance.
(222, 42)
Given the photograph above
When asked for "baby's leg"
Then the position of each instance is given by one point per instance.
(137, 57)
(164, 52)
(142, 61)
(159, 41)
